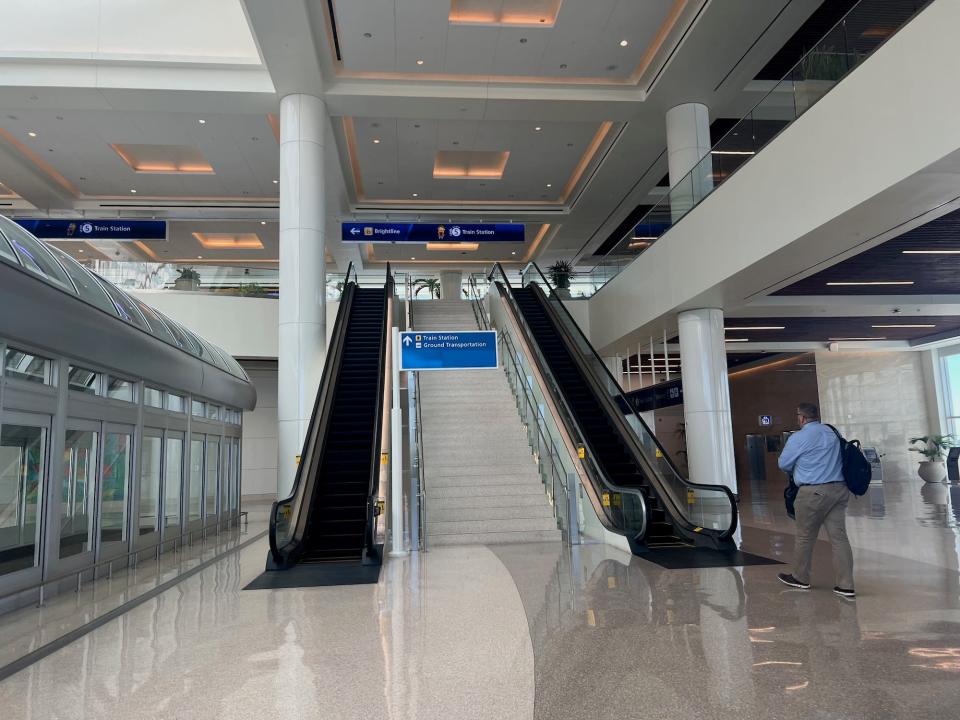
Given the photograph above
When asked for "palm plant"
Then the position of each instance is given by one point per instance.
(932, 447)
(431, 285)
(560, 274)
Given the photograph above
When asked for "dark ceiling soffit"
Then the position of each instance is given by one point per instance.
(622, 229)
(936, 337)
(753, 45)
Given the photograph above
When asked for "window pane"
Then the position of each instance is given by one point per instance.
(6, 251)
(213, 475)
(35, 256)
(184, 339)
(226, 470)
(172, 481)
(114, 486)
(213, 411)
(25, 366)
(87, 285)
(22, 456)
(159, 327)
(153, 397)
(198, 408)
(195, 499)
(120, 389)
(82, 380)
(76, 508)
(235, 482)
(951, 366)
(124, 307)
(175, 403)
(150, 455)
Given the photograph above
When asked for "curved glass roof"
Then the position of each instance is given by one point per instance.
(55, 266)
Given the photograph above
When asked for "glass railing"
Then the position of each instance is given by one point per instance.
(214, 279)
(854, 38)
(711, 507)
(619, 509)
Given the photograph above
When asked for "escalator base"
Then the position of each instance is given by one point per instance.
(317, 575)
(686, 558)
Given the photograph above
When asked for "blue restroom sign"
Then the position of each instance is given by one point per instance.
(766, 420)
(449, 350)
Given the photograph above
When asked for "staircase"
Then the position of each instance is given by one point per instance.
(482, 483)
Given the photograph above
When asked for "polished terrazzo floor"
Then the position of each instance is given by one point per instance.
(541, 631)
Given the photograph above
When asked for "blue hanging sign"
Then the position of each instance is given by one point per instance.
(85, 229)
(429, 232)
(449, 350)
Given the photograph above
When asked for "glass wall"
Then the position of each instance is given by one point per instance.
(151, 452)
(950, 360)
(195, 496)
(172, 480)
(213, 476)
(23, 452)
(115, 485)
(78, 492)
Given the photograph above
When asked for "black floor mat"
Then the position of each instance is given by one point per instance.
(688, 558)
(316, 575)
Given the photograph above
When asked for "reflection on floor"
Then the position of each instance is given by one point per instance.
(542, 631)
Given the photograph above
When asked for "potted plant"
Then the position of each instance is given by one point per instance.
(561, 272)
(432, 285)
(932, 447)
(189, 279)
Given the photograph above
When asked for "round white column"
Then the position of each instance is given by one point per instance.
(302, 321)
(688, 142)
(706, 398)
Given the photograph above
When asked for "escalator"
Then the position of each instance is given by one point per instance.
(330, 515)
(625, 453)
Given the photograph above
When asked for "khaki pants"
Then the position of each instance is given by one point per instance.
(825, 505)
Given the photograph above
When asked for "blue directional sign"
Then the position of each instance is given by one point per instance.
(766, 420)
(85, 229)
(449, 350)
(431, 232)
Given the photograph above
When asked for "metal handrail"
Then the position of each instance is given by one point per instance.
(421, 464)
(79, 572)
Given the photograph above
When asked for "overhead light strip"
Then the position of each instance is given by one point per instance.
(870, 282)
(756, 327)
(918, 325)
(931, 252)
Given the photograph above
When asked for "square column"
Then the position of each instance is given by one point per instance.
(302, 305)
(706, 398)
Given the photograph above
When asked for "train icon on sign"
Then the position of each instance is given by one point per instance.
(455, 231)
(86, 228)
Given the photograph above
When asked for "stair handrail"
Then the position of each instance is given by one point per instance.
(370, 548)
(602, 491)
(313, 443)
(582, 345)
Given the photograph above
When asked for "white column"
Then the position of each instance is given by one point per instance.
(302, 326)
(688, 142)
(450, 283)
(706, 398)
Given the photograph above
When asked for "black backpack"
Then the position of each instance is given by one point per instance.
(856, 468)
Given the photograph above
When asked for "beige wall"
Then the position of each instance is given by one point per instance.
(258, 464)
(879, 398)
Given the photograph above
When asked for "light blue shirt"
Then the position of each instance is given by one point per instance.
(812, 455)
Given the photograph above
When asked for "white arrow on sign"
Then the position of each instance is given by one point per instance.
(354, 231)
(407, 340)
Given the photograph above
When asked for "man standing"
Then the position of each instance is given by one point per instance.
(812, 456)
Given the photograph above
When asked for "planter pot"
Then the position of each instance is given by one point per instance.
(186, 284)
(932, 471)
(562, 292)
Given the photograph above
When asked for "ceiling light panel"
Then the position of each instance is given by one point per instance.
(229, 241)
(463, 247)
(470, 164)
(164, 159)
(515, 13)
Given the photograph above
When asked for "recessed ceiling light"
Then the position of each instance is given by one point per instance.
(757, 327)
(931, 252)
(263, 222)
(512, 253)
(275, 182)
(737, 340)
(419, 62)
(624, 43)
(917, 325)
(376, 141)
(31, 133)
(413, 258)
(537, 128)
(549, 184)
(202, 121)
(871, 282)
(199, 257)
(732, 152)
(416, 194)
(838, 339)
(79, 250)
(133, 191)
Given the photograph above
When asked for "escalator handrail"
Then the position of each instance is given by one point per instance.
(622, 399)
(592, 468)
(315, 440)
(374, 481)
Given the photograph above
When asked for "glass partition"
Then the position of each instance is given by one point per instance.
(151, 455)
(172, 480)
(115, 486)
(23, 452)
(195, 494)
(77, 510)
(212, 476)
